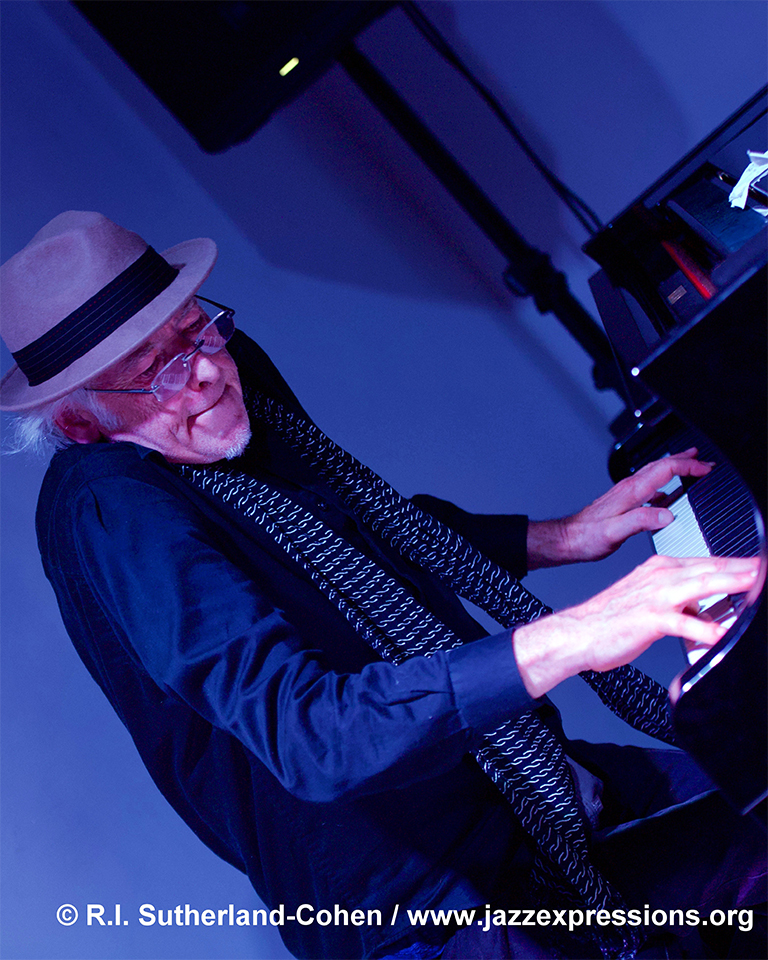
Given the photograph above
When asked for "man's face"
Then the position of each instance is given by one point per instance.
(204, 422)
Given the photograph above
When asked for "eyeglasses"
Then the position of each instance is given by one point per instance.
(175, 375)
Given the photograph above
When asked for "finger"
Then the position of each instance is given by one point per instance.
(703, 565)
(665, 567)
(656, 475)
(637, 520)
(702, 586)
(642, 487)
(690, 466)
(690, 452)
(694, 630)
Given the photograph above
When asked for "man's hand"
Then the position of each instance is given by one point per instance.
(602, 527)
(658, 599)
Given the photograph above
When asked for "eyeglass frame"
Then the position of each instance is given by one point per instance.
(224, 313)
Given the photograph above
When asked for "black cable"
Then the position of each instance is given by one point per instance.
(583, 213)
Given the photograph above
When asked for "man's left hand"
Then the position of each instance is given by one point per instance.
(626, 509)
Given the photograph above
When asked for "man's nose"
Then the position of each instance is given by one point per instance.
(204, 369)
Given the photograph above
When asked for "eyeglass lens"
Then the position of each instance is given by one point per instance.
(175, 374)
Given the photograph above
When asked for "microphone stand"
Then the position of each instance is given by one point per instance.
(530, 272)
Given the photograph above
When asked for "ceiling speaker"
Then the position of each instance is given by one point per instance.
(224, 67)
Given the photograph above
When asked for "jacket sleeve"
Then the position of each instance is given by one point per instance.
(206, 633)
(499, 536)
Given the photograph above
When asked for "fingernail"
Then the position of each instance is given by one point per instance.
(665, 517)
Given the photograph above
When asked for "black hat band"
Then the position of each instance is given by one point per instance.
(93, 322)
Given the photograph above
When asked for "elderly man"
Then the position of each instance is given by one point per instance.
(280, 633)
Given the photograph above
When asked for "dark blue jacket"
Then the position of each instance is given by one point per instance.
(329, 777)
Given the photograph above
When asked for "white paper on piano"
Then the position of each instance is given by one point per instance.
(757, 169)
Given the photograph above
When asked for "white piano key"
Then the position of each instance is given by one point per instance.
(682, 537)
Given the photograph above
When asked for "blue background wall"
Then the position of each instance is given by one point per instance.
(383, 306)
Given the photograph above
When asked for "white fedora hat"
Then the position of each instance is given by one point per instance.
(81, 295)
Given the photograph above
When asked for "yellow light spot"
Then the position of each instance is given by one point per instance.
(293, 62)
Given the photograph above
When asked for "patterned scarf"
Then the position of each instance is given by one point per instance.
(522, 757)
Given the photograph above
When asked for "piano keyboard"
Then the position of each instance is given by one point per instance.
(713, 517)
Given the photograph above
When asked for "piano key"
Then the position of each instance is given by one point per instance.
(683, 536)
(715, 517)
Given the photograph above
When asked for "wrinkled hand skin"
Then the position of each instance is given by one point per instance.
(600, 528)
(658, 599)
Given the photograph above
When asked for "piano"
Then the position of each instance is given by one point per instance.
(682, 293)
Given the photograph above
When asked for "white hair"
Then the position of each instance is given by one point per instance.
(36, 430)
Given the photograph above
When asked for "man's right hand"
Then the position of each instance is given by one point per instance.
(658, 599)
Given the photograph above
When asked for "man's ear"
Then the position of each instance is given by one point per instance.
(81, 426)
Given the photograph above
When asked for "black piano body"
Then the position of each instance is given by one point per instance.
(682, 295)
